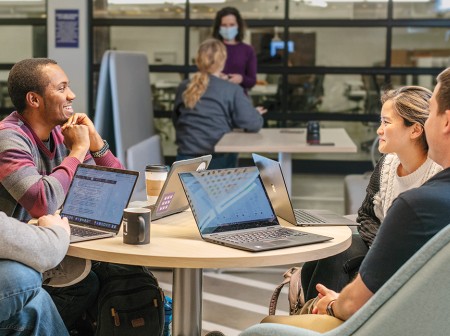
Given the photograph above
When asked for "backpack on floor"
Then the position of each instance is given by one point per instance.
(130, 302)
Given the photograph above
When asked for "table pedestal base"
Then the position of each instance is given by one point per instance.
(187, 301)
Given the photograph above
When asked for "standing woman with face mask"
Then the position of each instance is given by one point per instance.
(240, 66)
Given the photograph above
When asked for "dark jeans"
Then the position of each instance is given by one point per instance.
(218, 161)
(73, 301)
(334, 272)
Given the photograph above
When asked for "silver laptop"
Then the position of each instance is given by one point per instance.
(272, 177)
(172, 198)
(231, 208)
(95, 201)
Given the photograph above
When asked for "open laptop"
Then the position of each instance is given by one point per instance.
(172, 198)
(95, 201)
(231, 208)
(272, 177)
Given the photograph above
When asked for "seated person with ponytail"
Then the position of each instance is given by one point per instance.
(206, 107)
(405, 165)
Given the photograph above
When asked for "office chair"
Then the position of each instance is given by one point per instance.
(304, 94)
(355, 184)
(355, 92)
(372, 104)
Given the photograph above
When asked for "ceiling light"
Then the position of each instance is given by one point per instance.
(21, 1)
(159, 2)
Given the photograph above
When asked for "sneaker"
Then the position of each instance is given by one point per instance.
(70, 271)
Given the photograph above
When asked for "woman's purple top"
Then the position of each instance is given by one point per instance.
(241, 59)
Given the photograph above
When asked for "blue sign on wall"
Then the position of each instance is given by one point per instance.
(67, 28)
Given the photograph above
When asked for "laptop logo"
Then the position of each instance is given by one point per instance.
(201, 167)
(274, 188)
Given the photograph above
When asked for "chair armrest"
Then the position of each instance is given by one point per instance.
(318, 323)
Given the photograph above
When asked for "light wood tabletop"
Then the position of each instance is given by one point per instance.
(285, 142)
(289, 140)
(176, 243)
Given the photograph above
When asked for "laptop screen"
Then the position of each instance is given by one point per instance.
(228, 199)
(98, 195)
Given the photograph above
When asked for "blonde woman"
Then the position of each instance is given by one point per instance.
(206, 107)
(404, 166)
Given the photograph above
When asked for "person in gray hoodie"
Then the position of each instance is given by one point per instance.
(26, 251)
(207, 106)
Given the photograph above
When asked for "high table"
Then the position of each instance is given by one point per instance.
(176, 243)
(285, 141)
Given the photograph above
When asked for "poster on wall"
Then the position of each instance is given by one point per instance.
(67, 28)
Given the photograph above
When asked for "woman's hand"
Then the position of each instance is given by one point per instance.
(261, 109)
(235, 78)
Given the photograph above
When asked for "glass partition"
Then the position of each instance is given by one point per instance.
(348, 94)
(5, 101)
(332, 9)
(163, 45)
(164, 87)
(139, 9)
(428, 81)
(421, 47)
(23, 9)
(249, 9)
(338, 46)
(265, 41)
(421, 9)
(21, 37)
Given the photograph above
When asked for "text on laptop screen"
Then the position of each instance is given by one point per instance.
(226, 199)
(98, 197)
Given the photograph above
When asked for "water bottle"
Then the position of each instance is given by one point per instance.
(167, 316)
(313, 132)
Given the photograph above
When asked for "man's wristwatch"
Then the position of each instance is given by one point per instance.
(330, 308)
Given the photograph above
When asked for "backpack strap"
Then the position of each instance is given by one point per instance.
(296, 301)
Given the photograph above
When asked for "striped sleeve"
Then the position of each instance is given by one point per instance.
(23, 178)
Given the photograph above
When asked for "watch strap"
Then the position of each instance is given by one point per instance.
(102, 151)
(330, 308)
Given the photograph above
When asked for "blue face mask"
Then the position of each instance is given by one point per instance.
(228, 33)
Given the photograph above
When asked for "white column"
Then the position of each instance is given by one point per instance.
(67, 34)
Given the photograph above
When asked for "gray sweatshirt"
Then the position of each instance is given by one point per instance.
(223, 107)
(38, 247)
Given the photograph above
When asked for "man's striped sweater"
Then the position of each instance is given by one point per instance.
(33, 179)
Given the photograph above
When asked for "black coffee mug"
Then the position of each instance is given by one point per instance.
(313, 132)
(136, 226)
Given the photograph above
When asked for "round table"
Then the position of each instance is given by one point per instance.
(176, 243)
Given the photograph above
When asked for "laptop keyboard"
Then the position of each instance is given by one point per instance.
(249, 237)
(303, 217)
(83, 232)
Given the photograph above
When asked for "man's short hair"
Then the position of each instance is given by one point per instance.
(26, 76)
(443, 95)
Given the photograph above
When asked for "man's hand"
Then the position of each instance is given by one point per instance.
(352, 297)
(80, 119)
(50, 220)
(325, 295)
(76, 139)
(96, 141)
